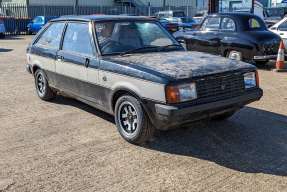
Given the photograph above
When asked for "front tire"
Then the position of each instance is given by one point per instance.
(132, 122)
(2, 35)
(43, 89)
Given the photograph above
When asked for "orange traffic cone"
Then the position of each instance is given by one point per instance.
(280, 63)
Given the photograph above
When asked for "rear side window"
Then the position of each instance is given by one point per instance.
(228, 24)
(256, 24)
(51, 38)
(211, 24)
(77, 39)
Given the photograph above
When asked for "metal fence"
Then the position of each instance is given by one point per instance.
(17, 16)
(21, 10)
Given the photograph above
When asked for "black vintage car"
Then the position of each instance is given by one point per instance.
(240, 36)
(132, 68)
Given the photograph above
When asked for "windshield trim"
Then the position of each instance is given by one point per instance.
(127, 20)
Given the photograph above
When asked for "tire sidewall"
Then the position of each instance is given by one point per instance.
(140, 115)
(234, 51)
(37, 74)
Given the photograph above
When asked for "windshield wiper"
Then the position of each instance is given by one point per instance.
(139, 49)
(171, 45)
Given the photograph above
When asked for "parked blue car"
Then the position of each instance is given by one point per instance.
(173, 24)
(37, 23)
(187, 23)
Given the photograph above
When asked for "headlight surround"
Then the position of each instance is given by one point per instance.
(181, 93)
(250, 80)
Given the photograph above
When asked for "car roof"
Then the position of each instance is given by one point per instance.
(102, 18)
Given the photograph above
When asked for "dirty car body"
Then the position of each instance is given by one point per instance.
(244, 33)
(146, 80)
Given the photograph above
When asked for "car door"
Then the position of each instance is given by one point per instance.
(38, 23)
(229, 38)
(44, 50)
(207, 38)
(75, 59)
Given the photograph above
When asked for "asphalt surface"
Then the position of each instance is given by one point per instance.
(65, 145)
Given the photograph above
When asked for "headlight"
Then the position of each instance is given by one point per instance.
(250, 80)
(181, 93)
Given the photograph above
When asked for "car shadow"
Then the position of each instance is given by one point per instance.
(3, 50)
(267, 67)
(62, 100)
(252, 141)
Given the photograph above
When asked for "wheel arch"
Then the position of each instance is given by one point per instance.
(120, 91)
(35, 68)
(127, 91)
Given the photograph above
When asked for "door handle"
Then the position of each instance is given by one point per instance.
(87, 62)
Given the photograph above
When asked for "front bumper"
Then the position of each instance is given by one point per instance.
(264, 57)
(28, 68)
(168, 117)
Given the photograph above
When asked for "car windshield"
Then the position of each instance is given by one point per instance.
(131, 37)
(37, 20)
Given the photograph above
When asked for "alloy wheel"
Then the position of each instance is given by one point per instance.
(128, 117)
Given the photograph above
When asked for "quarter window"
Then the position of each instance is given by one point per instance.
(211, 24)
(227, 24)
(51, 38)
(254, 24)
(77, 39)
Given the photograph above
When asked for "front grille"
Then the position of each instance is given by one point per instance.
(219, 87)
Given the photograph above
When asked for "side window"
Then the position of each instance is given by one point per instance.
(283, 26)
(228, 24)
(38, 20)
(254, 24)
(51, 38)
(77, 39)
(211, 24)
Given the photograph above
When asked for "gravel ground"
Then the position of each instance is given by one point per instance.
(66, 145)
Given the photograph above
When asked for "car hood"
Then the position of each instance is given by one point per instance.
(181, 64)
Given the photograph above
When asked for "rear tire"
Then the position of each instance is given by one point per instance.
(132, 122)
(42, 86)
(235, 55)
(2, 35)
(223, 116)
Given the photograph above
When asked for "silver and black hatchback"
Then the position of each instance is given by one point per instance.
(132, 68)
